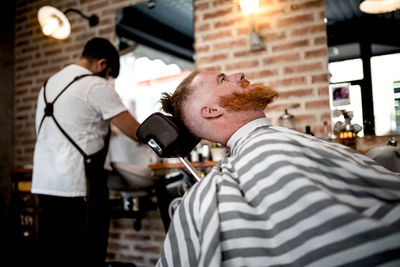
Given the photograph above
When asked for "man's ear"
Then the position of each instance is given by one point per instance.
(101, 64)
(210, 112)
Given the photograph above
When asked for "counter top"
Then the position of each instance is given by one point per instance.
(202, 164)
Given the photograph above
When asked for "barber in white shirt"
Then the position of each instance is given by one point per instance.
(74, 110)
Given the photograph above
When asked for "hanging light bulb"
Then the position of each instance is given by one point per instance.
(53, 22)
(379, 6)
(51, 25)
(250, 8)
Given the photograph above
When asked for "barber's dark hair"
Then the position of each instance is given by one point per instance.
(173, 104)
(98, 48)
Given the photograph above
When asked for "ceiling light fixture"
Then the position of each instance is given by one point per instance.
(55, 23)
(250, 9)
(379, 6)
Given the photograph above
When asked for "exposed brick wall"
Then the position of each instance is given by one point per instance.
(294, 61)
(142, 247)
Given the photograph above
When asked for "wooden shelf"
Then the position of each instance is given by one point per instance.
(203, 164)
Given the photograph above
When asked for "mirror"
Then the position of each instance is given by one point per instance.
(155, 41)
(364, 55)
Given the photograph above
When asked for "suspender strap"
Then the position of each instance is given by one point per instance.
(49, 112)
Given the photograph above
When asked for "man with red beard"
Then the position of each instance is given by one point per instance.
(280, 197)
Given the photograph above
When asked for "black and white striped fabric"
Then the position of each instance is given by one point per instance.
(283, 198)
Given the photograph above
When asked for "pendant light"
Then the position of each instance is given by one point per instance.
(379, 6)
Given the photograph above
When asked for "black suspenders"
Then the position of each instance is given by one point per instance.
(49, 112)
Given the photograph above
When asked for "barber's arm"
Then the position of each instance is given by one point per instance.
(127, 124)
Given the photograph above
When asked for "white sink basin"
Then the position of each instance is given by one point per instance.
(134, 177)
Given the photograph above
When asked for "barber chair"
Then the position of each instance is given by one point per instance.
(169, 138)
(388, 156)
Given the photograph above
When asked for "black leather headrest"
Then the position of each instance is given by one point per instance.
(166, 135)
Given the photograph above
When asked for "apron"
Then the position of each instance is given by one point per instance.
(97, 217)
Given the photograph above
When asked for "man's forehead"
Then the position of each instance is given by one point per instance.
(205, 77)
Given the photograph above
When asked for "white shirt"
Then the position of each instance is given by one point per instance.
(82, 111)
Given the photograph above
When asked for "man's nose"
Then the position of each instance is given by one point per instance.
(238, 77)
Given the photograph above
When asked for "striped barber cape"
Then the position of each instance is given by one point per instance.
(283, 198)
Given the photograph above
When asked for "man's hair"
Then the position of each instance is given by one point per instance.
(173, 104)
(98, 48)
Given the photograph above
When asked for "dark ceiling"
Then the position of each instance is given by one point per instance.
(349, 30)
(168, 26)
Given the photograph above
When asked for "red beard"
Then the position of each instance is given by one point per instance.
(257, 98)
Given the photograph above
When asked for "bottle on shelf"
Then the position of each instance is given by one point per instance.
(308, 130)
(326, 133)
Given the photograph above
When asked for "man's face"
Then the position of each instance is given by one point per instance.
(216, 84)
(234, 92)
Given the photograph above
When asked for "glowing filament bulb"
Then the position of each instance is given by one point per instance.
(51, 25)
(249, 6)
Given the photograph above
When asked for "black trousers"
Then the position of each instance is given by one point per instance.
(72, 231)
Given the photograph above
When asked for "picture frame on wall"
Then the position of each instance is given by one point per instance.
(340, 94)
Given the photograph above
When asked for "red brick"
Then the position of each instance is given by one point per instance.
(319, 78)
(243, 64)
(290, 45)
(264, 26)
(295, 20)
(50, 70)
(107, 30)
(20, 68)
(203, 27)
(269, 37)
(317, 104)
(117, 245)
(131, 258)
(217, 3)
(201, 6)
(289, 81)
(84, 37)
(213, 58)
(135, 236)
(281, 58)
(39, 63)
(214, 68)
(261, 74)
(302, 68)
(307, 5)
(202, 49)
(320, 40)
(22, 84)
(322, 53)
(227, 23)
(248, 53)
(323, 91)
(153, 249)
(53, 52)
(23, 59)
(97, 6)
(217, 14)
(304, 118)
(309, 29)
(216, 36)
(60, 59)
(230, 44)
(296, 93)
